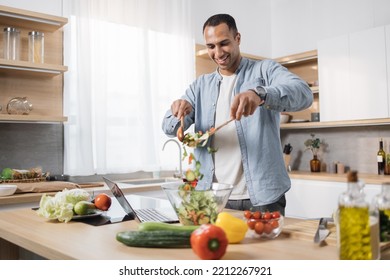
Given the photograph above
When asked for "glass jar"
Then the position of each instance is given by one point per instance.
(19, 106)
(357, 224)
(36, 47)
(381, 202)
(11, 39)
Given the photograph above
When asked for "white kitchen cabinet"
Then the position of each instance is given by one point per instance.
(353, 76)
(314, 199)
(387, 34)
(333, 75)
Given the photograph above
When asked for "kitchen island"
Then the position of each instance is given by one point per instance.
(23, 228)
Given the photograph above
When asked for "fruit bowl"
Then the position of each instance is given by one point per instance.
(194, 206)
(264, 225)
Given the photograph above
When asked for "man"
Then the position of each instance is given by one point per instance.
(249, 154)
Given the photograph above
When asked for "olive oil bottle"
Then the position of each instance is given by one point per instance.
(382, 203)
(357, 228)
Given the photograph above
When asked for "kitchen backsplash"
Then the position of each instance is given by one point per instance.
(354, 147)
(28, 145)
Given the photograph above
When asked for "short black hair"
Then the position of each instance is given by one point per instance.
(221, 18)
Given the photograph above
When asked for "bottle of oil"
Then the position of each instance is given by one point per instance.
(382, 203)
(357, 227)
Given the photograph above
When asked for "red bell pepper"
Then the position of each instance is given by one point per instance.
(209, 242)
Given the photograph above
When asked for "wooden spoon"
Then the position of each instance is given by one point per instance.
(219, 127)
(180, 131)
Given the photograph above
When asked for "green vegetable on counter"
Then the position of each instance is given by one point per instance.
(84, 208)
(61, 205)
(155, 238)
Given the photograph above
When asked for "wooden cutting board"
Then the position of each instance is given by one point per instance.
(306, 229)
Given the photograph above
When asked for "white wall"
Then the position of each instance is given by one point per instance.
(275, 28)
(52, 7)
(252, 19)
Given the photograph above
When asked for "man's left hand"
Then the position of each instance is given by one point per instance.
(245, 104)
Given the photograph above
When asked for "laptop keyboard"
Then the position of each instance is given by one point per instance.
(151, 215)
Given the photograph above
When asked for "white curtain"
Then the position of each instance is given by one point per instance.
(128, 60)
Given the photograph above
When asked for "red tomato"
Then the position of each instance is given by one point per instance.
(251, 223)
(275, 215)
(267, 215)
(102, 201)
(274, 224)
(259, 227)
(247, 214)
(257, 215)
(267, 228)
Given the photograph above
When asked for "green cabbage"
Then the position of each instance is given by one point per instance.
(60, 206)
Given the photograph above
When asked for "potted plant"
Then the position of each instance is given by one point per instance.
(313, 144)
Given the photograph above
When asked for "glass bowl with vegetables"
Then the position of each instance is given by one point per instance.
(194, 206)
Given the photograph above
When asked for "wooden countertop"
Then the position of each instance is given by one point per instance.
(332, 177)
(77, 240)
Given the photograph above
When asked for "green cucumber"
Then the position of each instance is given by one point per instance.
(155, 239)
(152, 226)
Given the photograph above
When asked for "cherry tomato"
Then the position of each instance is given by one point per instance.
(267, 228)
(274, 224)
(259, 227)
(247, 214)
(275, 215)
(102, 201)
(251, 223)
(257, 215)
(267, 215)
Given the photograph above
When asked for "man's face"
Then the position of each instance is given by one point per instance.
(223, 47)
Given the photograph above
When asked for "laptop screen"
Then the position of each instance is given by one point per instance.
(117, 192)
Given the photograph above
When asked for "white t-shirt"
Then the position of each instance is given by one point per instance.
(227, 160)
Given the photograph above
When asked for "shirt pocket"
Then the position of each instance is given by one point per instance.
(252, 84)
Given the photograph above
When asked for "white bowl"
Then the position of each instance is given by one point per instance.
(284, 118)
(7, 189)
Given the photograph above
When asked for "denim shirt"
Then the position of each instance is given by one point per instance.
(259, 134)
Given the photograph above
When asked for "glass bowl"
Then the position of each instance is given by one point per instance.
(196, 207)
(264, 224)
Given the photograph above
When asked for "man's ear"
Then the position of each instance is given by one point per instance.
(238, 37)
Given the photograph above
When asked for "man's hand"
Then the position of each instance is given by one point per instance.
(245, 104)
(181, 108)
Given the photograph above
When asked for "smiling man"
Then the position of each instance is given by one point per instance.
(253, 93)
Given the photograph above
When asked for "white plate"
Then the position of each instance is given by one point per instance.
(79, 217)
(299, 121)
(7, 189)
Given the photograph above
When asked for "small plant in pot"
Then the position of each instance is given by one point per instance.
(313, 144)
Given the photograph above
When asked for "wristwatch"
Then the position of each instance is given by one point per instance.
(260, 91)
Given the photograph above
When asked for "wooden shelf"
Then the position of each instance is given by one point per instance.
(23, 18)
(31, 118)
(298, 58)
(353, 123)
(201, 51)
(9, 66)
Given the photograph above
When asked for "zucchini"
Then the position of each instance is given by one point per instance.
(152, 226)
(155, 238)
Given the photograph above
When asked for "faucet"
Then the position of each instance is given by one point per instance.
(180, 174)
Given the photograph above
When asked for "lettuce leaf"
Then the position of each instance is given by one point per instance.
(60, 206)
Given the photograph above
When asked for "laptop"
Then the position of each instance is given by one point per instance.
(140, 215)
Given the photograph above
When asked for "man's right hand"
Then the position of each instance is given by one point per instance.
(181, 108)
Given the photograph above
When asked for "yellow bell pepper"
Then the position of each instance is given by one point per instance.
(235, 228)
